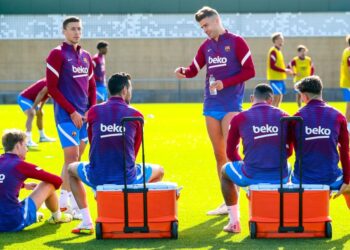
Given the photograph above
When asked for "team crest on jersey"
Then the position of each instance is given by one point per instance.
(227, 48)
(85, 60)
(74, 133)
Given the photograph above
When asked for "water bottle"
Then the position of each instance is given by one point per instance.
(211, 82)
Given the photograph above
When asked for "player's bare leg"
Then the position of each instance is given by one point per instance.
(30, 117)
(218, 131)
(277, 99)
(45, 192)
(40, 125)
(79, 192)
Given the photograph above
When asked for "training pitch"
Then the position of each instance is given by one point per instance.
(176, 138)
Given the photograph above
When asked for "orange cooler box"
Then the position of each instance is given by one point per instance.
(160, 218)
(265, 217)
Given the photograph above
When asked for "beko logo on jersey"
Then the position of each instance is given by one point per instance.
(217, 60)
(317, 133)
(266, 131)
(2, 178)
(80, 69)
(112, 128)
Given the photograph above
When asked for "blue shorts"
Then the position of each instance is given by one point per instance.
(101, 93)
(28, 212)
(346, 94)
(84, 169)
(333, 186)
(25, 103)
(234, 171)
(218, 115)
(70, 135)
(278, 87)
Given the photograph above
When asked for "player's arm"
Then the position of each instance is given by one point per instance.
(247, 71)
(196, 65)
(293, 66)
(138, 134)
(40, 98)
(348, 60)
(273, 61)
(92, 85)
(53, 70)
(91, 117)
(312, 68)
(34, 172)
(232, 148)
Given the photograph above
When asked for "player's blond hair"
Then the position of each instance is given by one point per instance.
(276, 35)
(204, 12)
(11, 137)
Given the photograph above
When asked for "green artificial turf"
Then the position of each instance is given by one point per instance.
(176, 138)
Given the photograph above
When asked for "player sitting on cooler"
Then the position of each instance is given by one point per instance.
(16, 215)
(325, 129)
(260, 130)
(106, 152)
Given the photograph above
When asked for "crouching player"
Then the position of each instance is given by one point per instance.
(15, 215)
(106, 152)
(325, 128)
(259, 127)
(32, 100)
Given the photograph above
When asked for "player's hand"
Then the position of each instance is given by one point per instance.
(30, 186)
(343, 189)
(77, 119)
(289, 72)
(180, 73)
(217, 85)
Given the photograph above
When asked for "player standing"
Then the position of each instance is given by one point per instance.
(71, 84)
(276, 69)
(345, 78)
(99, 63)
(32, 100)
(229, 65)
(302, 67)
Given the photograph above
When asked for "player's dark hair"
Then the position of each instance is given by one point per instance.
(117, 82)
(102, 44)
(205, 12)
(11, 137)
(70, 19)
(348, 39)
(263, 92)
(310, 84)
(275, 36)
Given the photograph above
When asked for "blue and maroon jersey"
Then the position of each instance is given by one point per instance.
(325, 128)
(99, 69)
(105, 135)
(260, 130)
(33, 90)
(229, 60)
(13, 172)
(70, 81)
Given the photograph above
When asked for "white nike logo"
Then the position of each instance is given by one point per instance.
(70, 60)
(209, 50)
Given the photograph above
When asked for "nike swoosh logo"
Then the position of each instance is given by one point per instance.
(70, 60)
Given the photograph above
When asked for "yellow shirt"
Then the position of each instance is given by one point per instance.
(344, 69)
(273, 74)
(301, 67)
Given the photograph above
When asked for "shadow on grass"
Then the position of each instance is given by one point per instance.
(27, 235)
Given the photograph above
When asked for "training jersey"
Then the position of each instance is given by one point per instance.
(325, 128)
(229, 60)
(13, 172)
(302, 67)
(344, 69)
(105, 136)
(98, 61)
(70, 81)
(33, 90)
(260, 130)
(275, 65)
